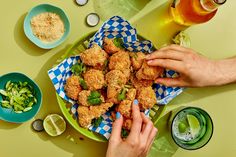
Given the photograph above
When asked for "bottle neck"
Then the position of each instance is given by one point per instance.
(211, 5)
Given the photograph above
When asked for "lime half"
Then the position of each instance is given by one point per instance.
(193, 124)
(54, 125)
(182, 127)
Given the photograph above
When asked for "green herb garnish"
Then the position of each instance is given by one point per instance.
(83, 84)
(78, 69)
(97, 121)
(118, 42)
(94, 98)
(95, 101)
(122, 95)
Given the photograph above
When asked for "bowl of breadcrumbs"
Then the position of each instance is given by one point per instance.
(47, 26)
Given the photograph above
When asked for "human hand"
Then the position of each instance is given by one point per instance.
(195, 70)
(140, 139)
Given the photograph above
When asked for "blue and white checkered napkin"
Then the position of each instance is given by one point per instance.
(115, 27)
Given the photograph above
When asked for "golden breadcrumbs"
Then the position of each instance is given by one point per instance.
(48, 27)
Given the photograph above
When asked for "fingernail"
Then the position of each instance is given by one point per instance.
(148, 56)
(149, 62)
(135, 102)
(117, 115)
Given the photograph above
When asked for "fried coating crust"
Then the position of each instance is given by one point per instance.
(119, 61)
(127, 123)
(131, 94)
(84, 117)
(116, 78)
(94, 79)
(115, 82)
(138, 84)
(109, 46)
(125, 108)
(112, 94)
(94, 56)
(97, 110)
(146, 97)
(147, 72)
(72, 87)
(127, 73)
(87, 114)
(83, 97)
(137, 60)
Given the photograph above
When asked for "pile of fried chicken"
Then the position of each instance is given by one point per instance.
(113, 78)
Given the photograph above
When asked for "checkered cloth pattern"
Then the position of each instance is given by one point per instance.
(116, 27)
(60, 73)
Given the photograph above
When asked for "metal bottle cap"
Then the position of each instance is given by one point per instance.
(220, 1)
(81, 2)
(92, 19)
(37, 125)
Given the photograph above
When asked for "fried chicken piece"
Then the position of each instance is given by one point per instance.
(127, 73)
(146, 97)
(119, 61)
(149, 72)
(97, 110)
(72, 87)
(131, 94)
(85, 118)
(94, 56)
(127, 123)
(137, 59)
(109, 46)
(83, 97)
(138, 84)
(116, 78)
(125, 108)
(112, 94)
(87, 114)
(115, 82)
(94, 79)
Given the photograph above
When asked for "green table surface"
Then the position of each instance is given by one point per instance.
(215, 39)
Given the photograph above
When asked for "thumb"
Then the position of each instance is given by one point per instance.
(117, 127)
(174, 82)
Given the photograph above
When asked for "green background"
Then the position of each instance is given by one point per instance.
(215, 39)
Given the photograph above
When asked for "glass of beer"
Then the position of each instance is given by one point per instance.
(191, 127)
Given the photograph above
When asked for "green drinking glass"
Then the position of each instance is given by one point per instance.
(191, 127)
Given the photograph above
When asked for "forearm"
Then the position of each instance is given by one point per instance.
(226, 71)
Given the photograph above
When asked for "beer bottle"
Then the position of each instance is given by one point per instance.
(189, 12)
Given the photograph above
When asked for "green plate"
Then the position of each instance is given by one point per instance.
(79, 46)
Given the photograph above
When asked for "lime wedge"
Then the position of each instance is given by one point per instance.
(182, 127)
(193, 124)
(54, 125)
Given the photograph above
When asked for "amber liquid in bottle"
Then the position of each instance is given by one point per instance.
(189, 12)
